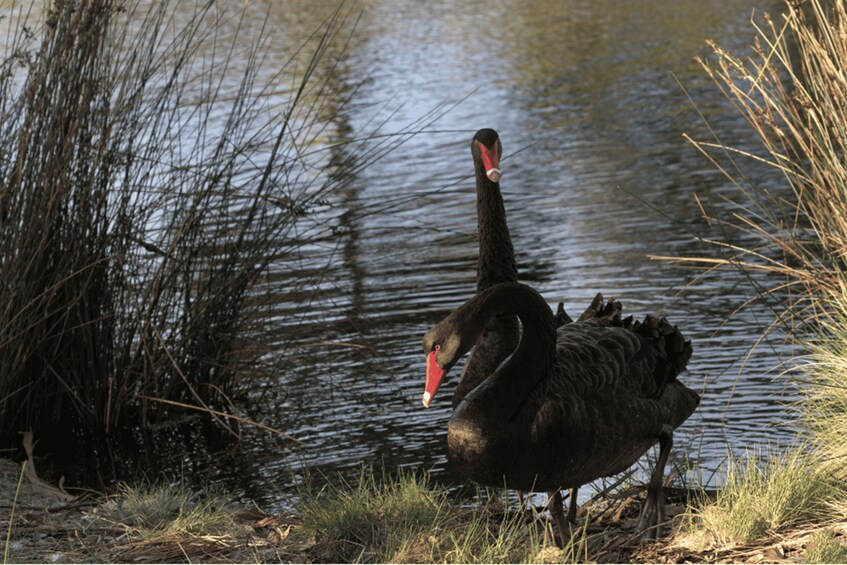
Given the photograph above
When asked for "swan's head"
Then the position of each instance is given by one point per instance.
(443, 346)
(486, 149)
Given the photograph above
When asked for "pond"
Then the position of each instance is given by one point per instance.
(591, 100)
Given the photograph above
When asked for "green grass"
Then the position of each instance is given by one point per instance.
(174, 509)
(400, 518)
(826, 549)
(760, 498)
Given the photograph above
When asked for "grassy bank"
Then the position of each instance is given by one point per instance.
(381, 518)
(403, 518)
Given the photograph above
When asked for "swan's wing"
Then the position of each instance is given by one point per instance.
(597, 366)
(591, 356)
(641, 356)
(597, 375)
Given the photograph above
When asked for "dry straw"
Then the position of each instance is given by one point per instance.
(790, 242)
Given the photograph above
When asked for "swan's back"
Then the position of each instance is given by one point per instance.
(610, 392)
(629, 357)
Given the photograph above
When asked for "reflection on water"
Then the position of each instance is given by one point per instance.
(585, 97)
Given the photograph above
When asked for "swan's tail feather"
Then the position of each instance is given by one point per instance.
(593, 308)
(611, 312)
(607, 312)
(561, 316)
(672, 351)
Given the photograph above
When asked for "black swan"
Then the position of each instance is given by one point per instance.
(495, 264)
(570, 405)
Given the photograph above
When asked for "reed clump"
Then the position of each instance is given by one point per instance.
(149, 186)
(788, 239)
(789, 94)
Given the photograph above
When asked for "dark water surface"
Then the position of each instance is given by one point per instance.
(585, 97)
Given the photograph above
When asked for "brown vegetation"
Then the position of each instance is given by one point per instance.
(149, 188)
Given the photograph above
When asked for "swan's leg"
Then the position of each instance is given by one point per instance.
(653, 513)
(557, 511)
(572, 506)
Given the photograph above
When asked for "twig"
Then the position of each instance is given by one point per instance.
(12, 514)
(222, 414)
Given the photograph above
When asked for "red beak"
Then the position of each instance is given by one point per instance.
(434, 374)
(491, 162)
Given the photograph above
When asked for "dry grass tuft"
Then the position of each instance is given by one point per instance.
(827, 547)
(789, 243)
(759, 498)
(174, 509)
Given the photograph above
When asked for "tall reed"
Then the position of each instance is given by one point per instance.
(149, 184)
(792, 92)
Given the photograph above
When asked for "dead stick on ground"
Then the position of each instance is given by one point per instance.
(37, 484)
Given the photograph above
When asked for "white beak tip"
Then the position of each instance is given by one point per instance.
(427, 398)
(494, 175)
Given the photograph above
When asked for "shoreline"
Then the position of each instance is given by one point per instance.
(48, 527)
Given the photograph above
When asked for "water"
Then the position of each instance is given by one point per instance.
(586, 97)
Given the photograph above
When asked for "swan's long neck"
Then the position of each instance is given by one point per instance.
(496, 262)
(532, 360)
